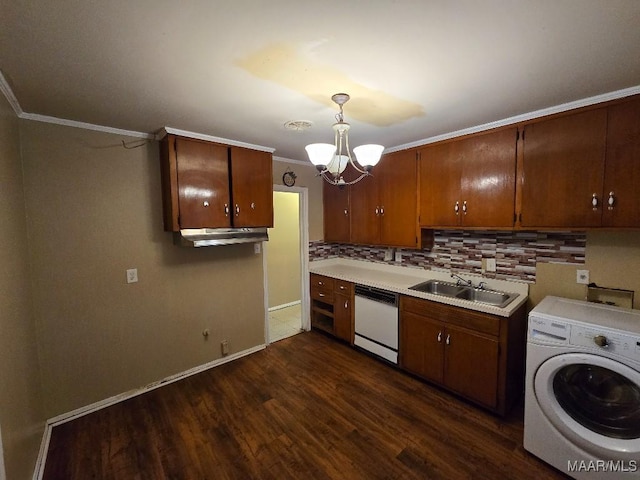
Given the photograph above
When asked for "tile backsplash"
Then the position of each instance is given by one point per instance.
(516, 253)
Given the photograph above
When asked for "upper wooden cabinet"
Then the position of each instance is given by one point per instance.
(621, 204)
(383, 205)
(208, 185)
(469, 182)
(562, 170)
(337, 219)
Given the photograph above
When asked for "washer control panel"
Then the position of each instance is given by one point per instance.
(611, 341)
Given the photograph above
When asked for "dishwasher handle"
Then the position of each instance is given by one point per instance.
(376, 294)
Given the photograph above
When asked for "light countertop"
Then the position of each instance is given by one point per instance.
(398, 279)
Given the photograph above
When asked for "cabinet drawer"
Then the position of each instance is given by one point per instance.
(322, 293)
(480, 322)
(343, 287)
(321, 281)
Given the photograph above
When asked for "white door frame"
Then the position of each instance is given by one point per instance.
(303, 207)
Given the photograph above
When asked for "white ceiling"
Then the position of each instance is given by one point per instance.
(240, 69)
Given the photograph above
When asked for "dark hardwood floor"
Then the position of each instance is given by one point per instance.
(307, 407)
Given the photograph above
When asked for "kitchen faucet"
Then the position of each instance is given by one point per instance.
(461, 280)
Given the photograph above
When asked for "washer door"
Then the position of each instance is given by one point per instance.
(593, 401)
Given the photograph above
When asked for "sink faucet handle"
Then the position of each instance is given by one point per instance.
(482, 285)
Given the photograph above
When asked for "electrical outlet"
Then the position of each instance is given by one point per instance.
(132, 275)
(388, 254)
(582, 276)
(398, 257)
(224, 346)
(491, 265)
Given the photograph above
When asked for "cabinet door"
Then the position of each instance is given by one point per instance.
(563, 167)
(203, 184)
(421, 346)
(471, 365)
(622, 166)
(365, 211)
(488, 182)
(251, 188)
(440, 173)
(342, 317)
(397, 190)
(336, 213)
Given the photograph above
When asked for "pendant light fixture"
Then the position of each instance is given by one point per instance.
(331, 160)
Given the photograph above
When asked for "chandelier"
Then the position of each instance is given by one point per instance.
(332, 160)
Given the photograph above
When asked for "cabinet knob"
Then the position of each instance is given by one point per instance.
(226, 209)
(205, 203)
(321, 294)
(448, 340)
(346, 213)
(464, 207)
(346, 304)
(439, 338)
(382, 210)
(377, 211)
(594, 201)
(456, 208)
(611, 201)
(253, 206)
(237, 210)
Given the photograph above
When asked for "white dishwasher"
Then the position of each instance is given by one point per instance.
(376, 322)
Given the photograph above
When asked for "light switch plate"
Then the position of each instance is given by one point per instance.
(256, 248)
(491, 264)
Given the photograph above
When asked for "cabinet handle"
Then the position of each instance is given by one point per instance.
(226, 209)
(237, 210)
(594, 201)
(342, 287)
(456, 208)
(448, 340)
(382, 210)
(346, 304)
(464, 207)
(321, 294)
(205, 203)
(346, 213)
(611, 201)
(253, 206)
(439, 337)
(320, 282)
(377, 211)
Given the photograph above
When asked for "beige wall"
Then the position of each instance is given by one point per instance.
(94, 210)
(612, 258)
(306, 178)
(21, 419)
(283, 250)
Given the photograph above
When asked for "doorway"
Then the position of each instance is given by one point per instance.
(287, 265)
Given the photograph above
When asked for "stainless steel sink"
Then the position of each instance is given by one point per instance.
(463, 292)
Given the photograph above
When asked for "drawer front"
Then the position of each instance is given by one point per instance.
(322, 293)
(478, 321)
(321, 281)
(343, 287)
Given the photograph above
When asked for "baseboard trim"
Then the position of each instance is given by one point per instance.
(94, 407)
(284, 305)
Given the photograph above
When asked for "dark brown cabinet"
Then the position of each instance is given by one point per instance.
(336, 210)
(562, 170)
(332, 306)
(384, 205)
(621, 204)
(469, 182)
(476, 355)
(208, 185)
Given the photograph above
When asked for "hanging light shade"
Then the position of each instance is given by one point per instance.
(332, 160)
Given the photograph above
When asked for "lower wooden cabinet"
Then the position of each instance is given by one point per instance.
(332, 306)
(476, 355)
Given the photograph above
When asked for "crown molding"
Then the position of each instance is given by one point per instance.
(210, 138)
(290, 160)
(525, 117)
(86, 126)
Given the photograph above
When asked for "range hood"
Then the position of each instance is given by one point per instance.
(208, 237)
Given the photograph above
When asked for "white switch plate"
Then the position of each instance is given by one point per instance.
(582, 276)
(491, 264)
(256, 248)
(398, 257)
(132, 275)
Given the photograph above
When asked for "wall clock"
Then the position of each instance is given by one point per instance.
(289, 178)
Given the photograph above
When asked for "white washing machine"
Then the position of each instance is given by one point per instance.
(582, 392)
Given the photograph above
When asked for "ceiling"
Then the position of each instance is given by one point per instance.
(240, 69)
